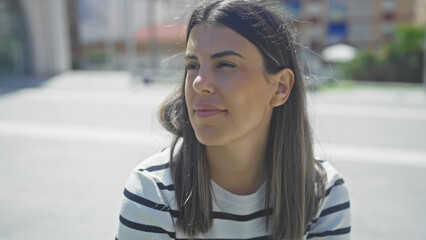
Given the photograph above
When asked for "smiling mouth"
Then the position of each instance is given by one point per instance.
(207, 113)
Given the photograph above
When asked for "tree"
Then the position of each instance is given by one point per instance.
(401, 60)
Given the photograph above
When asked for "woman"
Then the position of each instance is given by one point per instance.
(241, 164)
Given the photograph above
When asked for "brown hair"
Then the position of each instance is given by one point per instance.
(295, 181)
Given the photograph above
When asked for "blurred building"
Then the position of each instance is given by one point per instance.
(13, 40)
(51, 36)
(45, 37)
(145, 31)
(361, 23)
(33, 37)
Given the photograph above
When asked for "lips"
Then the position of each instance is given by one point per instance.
(203, 110)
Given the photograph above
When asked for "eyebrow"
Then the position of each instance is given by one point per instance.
(217, 55)
(226, 53)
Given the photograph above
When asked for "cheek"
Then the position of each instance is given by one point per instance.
(251, 89)
(254, 100)
(188, 89)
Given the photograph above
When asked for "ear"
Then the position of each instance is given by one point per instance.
(284, 84)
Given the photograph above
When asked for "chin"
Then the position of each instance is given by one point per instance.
(210, 139)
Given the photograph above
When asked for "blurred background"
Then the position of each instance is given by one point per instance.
(142, 36)
(81, 82)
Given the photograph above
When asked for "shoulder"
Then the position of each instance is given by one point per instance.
(146, 209)
(334, 178)
(158, 161)
(332, 220)
(152, 175)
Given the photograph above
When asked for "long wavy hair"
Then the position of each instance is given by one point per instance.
(295, 181)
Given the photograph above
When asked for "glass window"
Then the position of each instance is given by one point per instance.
(336, 32)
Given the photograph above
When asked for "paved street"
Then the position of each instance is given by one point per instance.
(67, 145)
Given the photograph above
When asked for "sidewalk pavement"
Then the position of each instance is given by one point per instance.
(68, 143)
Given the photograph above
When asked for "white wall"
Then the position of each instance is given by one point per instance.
(48, 34)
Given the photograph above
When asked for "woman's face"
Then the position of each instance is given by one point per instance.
(227, 93)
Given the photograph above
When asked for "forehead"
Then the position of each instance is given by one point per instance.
(209, 39)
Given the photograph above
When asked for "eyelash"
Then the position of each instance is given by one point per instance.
(191, 66)
(226, 64)
(195, 66)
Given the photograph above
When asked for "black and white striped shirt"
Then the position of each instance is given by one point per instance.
(149, 209)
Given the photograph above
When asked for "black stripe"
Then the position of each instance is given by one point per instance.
(339, 231)
(242, 218)
(328, 211)
(334, 209)
(338, 182)
(145, 201)
(175, 214)
(308, 228)
(150, 204)
(154, 229)
(155, 168)
(144, 227)
(116, 238)
(161, 186)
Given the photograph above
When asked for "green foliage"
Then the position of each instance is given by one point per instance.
(406, 40)
(399, 61)
(362, 67)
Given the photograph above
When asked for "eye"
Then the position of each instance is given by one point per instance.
(226, 65)
(192, 66)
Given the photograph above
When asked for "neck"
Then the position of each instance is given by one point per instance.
(240, 168)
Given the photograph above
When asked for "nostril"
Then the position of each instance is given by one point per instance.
(205, 91)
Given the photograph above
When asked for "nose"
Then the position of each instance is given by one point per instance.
(204, 81)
